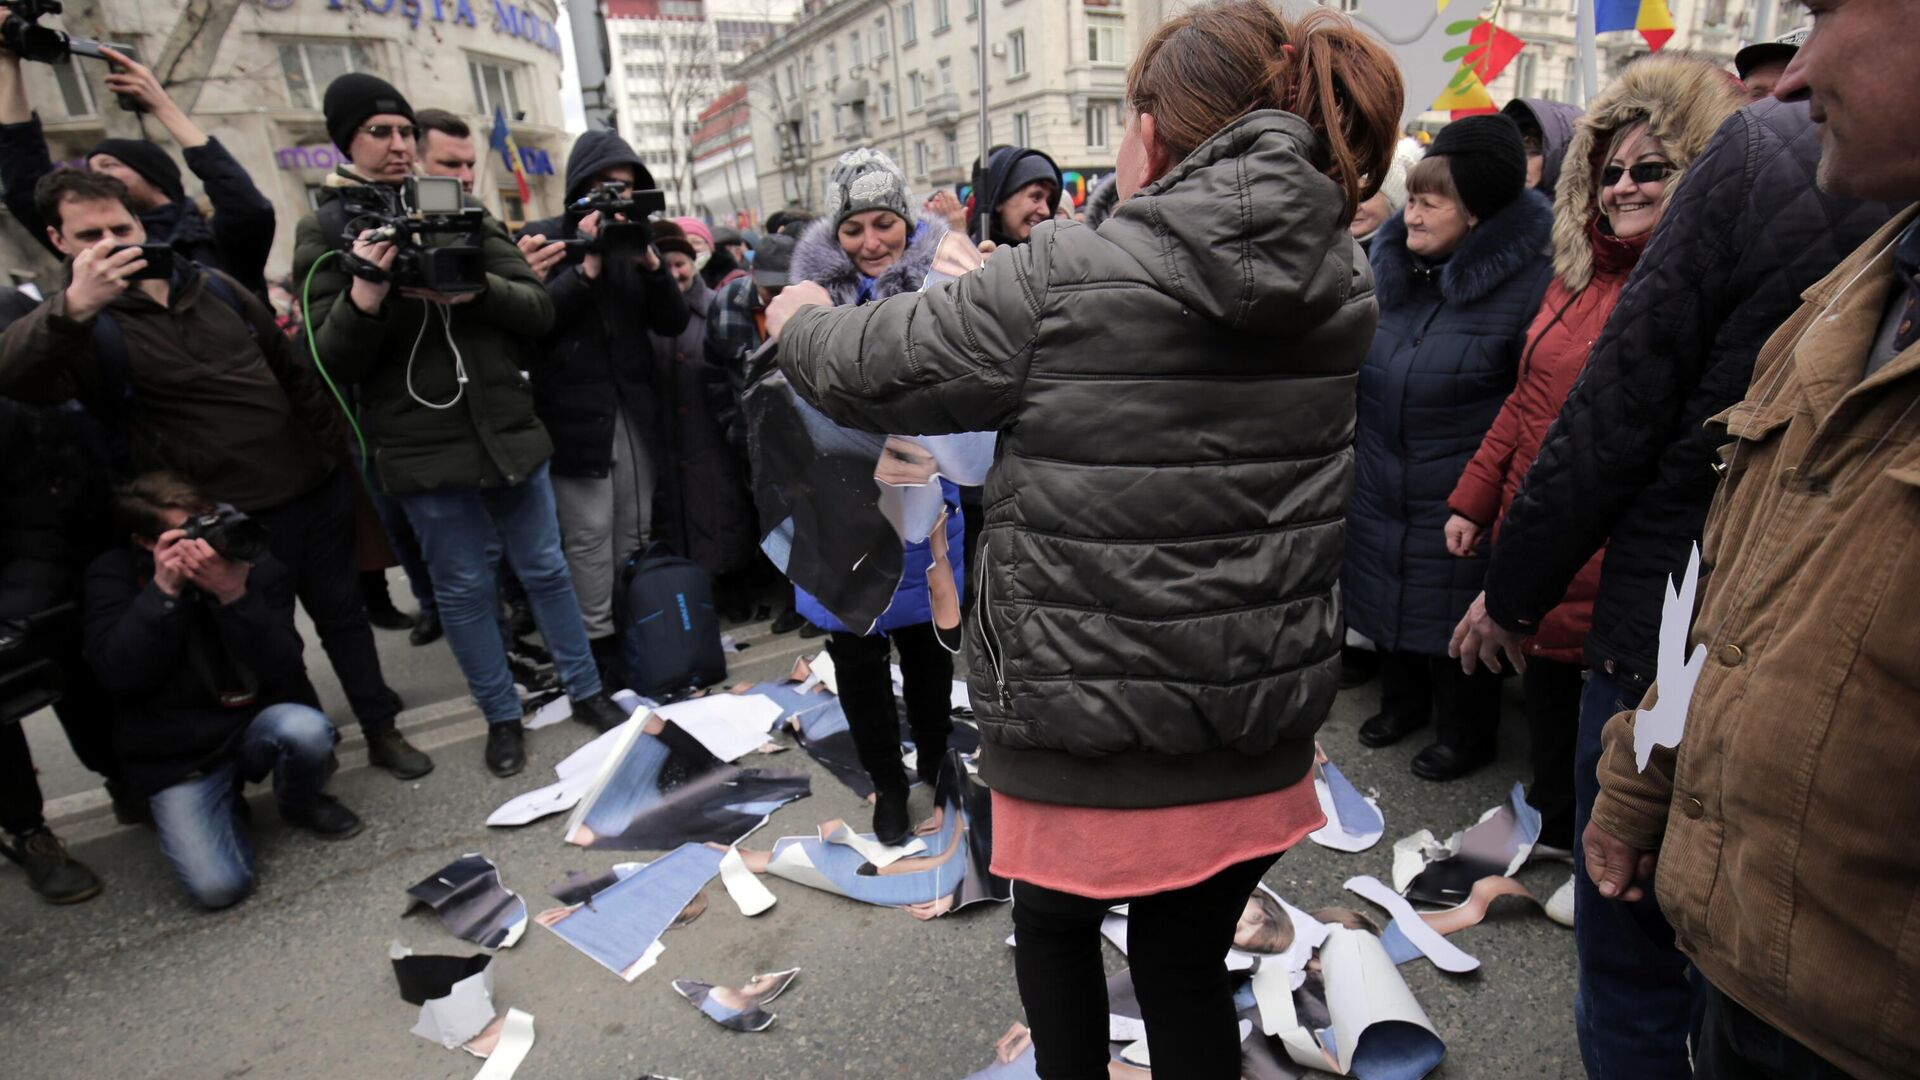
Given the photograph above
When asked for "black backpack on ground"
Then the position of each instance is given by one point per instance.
(669, 630)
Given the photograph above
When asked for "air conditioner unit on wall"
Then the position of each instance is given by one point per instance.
(998, 48)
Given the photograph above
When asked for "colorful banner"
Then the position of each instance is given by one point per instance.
(1650, 17)
(502, 143)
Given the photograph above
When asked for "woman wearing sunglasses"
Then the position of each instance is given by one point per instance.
(1635, 143)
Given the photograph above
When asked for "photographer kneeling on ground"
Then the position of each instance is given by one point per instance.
(199, 651)
(446, 414)
(185, 371)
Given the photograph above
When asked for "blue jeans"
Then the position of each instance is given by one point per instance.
(406, 546)
(1635, 1006)
(197, 819)
(457, 527)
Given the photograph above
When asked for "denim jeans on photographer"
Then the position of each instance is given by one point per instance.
(1635, 1007)
(456, 526)
(198, 819)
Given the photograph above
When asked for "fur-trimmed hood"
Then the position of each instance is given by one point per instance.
(1497, 248)
(1683, 98)
(818, 258)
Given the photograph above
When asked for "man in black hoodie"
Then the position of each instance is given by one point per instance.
(592, 386)
(1546, 127)
(238, 238)
(1021, 189)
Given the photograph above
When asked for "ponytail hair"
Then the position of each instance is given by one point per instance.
(1208, 67)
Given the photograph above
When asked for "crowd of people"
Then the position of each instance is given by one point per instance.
(1288, 404)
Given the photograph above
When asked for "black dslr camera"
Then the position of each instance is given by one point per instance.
(22, 35)
(617, 239)
(429, 221)
(230, 533)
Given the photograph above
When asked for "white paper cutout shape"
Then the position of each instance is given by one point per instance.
(1666, 722)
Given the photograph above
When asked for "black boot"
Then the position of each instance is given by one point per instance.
(58, 877)
(606, 657)
(380, 609)
(599, 712)
(324, 817)
(1385, 729)
(788, 621)
(890, 820)
(426, 629)
(388, 749)
(506, 748)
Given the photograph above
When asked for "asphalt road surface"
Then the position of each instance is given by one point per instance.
(295, 982)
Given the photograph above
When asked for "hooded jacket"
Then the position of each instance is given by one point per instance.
(1683, 101)
(442, 399)
(1556, 121)
(597, 357)
(819, 258)
(1157, 621)
(237, 240)
(229, 406)
(1628, 463)
(996, 190)
(700, 503)
(1438, 371)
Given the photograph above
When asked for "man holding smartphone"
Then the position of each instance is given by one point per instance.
(238, 237)
(186, 372)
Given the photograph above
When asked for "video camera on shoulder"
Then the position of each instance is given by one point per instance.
(428, 220)
(623, 219)
(230, 533)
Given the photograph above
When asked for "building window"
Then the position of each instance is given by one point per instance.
(1570, 79)
(773, 87)
(909, 24)
(683, 9)
(1105, 40)
(833, 63)
(310, 65)
(793, 88)
(856, 49)
(920, 158)
(916, 93)
(493, 86)
(838, 125)
(886, 101)
(1097, 117)
(953, 150)
(1021, 134)
(74, 91)
(813, 126)
(973, 9)
(1523, 75)
(513, 212)
(1017, 53)
(946, 75)
(940, 20)
(808, 77)
(979, 69)
(881, 46)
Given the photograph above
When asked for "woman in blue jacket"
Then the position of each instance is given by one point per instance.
(1458, 276)
(867, 248)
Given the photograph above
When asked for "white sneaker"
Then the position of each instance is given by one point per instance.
(1560, 905)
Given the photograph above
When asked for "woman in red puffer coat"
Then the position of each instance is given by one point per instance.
(1626, 157)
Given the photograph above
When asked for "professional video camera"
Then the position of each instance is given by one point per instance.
(617, 239)
(428, 220)
(231, 534)
(23, 35)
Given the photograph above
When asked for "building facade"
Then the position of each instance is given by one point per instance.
(726, 187)
(905, 76)
(669, 59)
(258, 90)
(1549, 66)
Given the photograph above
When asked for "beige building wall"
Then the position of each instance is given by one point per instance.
(846, 75)
(258, 102)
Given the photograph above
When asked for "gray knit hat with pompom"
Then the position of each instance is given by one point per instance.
(866, 179)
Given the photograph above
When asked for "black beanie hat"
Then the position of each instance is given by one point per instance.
(352, 98)
(150, 161)
(1487, 159)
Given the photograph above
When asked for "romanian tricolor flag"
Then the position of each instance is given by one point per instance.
(502, 141)
(1650, 17)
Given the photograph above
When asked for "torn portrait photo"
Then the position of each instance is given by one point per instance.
(1496, 845)
(619, 927)
(738, 1008)
(472, 903)
(454, 993)
(1354, 822)
(660, 788)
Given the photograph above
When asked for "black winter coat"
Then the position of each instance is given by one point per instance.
(167, 661)
(237, 240)
(1440, 367)
(1629, 463)
(700, 502)
(596, 358)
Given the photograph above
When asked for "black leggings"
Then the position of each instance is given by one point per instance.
(1177, 947)
(864, 670)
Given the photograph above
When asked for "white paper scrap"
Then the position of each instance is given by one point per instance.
(729, 725)
(516, 1039)
(1445, 955)
(551, 713)
(1365, 990)
(744, 885)
(880, 855)
(539, 803)
(1666, 722)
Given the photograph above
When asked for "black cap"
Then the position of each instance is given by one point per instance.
(1487, 159)
(1761, 52)
(722, 236)
(354, 97)
(773, 260)
(146, 159)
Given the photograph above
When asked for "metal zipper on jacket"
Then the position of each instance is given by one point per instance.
(986, 631)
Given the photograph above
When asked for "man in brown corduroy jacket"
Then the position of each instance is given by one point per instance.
(1783, 824)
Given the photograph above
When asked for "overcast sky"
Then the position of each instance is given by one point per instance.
(573, 115)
